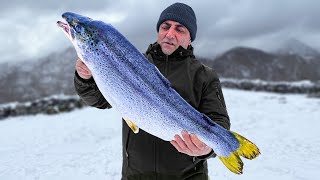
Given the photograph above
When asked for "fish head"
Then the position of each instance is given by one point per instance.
(81, 32)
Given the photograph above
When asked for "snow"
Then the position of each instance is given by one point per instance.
(86, 143)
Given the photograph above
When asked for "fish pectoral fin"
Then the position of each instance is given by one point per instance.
(247, 149)
(233, 163)
(132, 126)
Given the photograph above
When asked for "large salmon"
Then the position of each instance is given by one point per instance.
(142, 95)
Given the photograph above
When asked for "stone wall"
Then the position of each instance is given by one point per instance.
(302, 87)
(49, 105)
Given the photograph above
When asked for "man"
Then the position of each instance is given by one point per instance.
(146, 156)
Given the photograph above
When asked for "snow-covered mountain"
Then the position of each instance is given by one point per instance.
(250, 63)
(33, 79)
(296, 47)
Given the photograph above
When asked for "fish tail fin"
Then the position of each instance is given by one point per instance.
(247, 149)
(233, 163)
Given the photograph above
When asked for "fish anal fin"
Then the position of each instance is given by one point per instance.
(247, 149)
(132, 126)
(233, 163)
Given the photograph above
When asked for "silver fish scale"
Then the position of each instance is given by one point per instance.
(141, 94)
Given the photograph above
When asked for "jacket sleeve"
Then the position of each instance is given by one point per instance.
(212, 101)
(89, 92)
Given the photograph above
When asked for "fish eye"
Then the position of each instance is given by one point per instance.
(77, 27)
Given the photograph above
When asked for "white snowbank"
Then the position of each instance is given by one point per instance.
(86, 144)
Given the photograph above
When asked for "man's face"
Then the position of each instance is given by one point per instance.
(172, 35)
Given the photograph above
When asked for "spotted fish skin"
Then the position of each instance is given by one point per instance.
(136, 88)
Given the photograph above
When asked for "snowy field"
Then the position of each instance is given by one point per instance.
(86, 144)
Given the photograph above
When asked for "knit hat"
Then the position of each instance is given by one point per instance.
(181, 13)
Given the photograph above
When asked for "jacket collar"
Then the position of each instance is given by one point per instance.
(179, 54)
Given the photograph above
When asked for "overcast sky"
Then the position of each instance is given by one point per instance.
(28, 28)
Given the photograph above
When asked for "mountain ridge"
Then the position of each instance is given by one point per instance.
(53, 74)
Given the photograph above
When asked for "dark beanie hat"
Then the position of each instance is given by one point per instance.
(181, 13)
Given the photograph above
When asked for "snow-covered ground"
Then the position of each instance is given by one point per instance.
(86, 144)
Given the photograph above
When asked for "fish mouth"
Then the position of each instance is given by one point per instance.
(64, 26)
(67, 29)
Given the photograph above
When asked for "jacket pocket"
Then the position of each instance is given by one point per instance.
(140, 152)
(220, 96)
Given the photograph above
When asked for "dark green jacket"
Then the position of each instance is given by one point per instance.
(148, 157)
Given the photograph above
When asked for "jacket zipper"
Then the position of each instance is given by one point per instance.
(155, 143)
(155, 160)
(166, 67)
